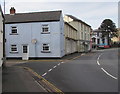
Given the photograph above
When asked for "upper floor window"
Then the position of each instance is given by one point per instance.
(14, 48)
(81, 35)
(93, 40)
(81, 26)
(45, 29)
(14, 30)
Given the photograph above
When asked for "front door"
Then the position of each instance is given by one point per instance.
(25, 55)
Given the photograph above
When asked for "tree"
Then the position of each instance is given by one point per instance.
(108, 29)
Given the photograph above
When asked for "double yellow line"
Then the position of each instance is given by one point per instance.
(51, 87)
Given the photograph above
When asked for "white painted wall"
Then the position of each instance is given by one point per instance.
(99, 37)
(29, 31)
(1, 39)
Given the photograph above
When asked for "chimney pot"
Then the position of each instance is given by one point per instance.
(12, 11)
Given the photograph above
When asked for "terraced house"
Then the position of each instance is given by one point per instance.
(70, 39)
(34, 35)
(44, 35)
(1, 37)
(83, 33)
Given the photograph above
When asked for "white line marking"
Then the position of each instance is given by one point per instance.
(98, 62)
(44, 74)
(50, 70)
(62, 62)
(99, 57)
(109, 74)
(54, 66)
(58, 64)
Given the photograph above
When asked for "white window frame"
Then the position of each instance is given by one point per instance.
(12, 47)
(43, 48)
(44, 27)
(14, 28)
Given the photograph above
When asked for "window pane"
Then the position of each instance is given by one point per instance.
(45, 47)
(13, 48)
(14, 30)
(45, 28)
(24, 49)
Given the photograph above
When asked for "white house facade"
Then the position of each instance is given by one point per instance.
(1, 37)
(34, 35)
(97, 40)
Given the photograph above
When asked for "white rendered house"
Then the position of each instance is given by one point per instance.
(34, 35)
(97, 40)
(1, 37)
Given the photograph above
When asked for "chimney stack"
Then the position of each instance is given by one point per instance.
(12, 11)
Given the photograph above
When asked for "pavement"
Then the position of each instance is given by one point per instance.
(16, 79)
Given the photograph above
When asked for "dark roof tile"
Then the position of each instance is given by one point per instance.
(33, 17)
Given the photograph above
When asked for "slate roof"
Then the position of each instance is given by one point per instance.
(76, 19)
(33, 17)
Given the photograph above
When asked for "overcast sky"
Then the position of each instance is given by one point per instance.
(93, 12)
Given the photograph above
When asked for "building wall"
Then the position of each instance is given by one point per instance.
(29, 31)
(97, 37)
(1, 38)
(83, 34)
(70, 39)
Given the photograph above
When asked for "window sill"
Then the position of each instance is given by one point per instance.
(45, 51)
(13, 52)
(45, 32)
(13, 34)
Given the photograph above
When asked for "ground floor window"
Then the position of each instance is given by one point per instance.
(46, 47)
(14, 48)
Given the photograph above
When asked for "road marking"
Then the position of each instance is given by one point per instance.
(54, 66)
(62, 62)
(44, 81)
(44, 74)
(104, 69)
(58, 64)
(99, 57)
(98, 62)
(108, 74)
(50, 70)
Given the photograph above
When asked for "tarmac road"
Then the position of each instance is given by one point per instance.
(91, 72)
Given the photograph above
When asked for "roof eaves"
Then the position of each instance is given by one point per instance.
(76, 19)
(30, 21)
